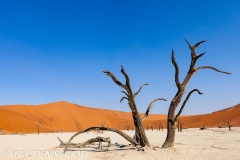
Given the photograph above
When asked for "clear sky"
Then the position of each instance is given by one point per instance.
(56, 51)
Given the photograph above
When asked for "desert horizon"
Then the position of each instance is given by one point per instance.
(68, 117)
(163, 76)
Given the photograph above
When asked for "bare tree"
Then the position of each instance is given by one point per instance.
(172, 119)
(151, 127)
(140, 135)
(156, 125)
(124, 135)
(127, 126)
(37, 128)
(180, 125)
(160, 126)
(228, 124)
(103, 125)
(90, 141)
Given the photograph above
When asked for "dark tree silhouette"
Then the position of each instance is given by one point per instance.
(172, 119)
(228, 124)
(37, 128)
(140, 135)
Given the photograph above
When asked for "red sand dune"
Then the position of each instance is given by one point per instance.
(64, 116)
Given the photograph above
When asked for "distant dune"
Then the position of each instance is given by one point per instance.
(64, 116)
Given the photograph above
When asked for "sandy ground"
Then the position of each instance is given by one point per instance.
(216, 143)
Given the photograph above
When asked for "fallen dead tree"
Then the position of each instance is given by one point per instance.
(88, 142)
(124, 135)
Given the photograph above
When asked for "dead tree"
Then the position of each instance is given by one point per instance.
(180, 125)
(127, 126)
(228, 124)
(1, 130)
(103, 125)
(88, 142)
(151, 127)
(140, 135)
(37, 128)
(156, 125)
(124, 135)
(172, 119)
(160, 126)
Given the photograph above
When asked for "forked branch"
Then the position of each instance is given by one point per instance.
(184, 103)
(150, 107)
(108, 73)
(139, 89)
(193, 48)
(127, 78)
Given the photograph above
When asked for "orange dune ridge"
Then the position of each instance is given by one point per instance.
(64, 116)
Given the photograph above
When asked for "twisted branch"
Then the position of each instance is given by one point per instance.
(176, 71)
(124, 135)
(108, 73)
(193, 48)
(139, 89)
(150, 107)
(127, 80)
(125, 93)
(184, 103)
(210, 67)
(123, 99)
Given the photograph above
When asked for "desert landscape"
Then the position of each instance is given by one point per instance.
(68, 117)
(108, 80)
(63, 119)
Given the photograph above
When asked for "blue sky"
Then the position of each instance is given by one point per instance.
(56, 51)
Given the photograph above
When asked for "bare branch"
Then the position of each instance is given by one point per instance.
(150, 107)
(124, 135)
(125, 93)
(197, 44)
(176, 70)
(127, 78)
(139, 90)
(123, 99)
(108, 73)
(193, 48)
(210, 67)
(188, 44)
(184, 103)
(200, 55)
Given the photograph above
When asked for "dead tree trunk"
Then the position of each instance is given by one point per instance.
(90, 141)
(124, 135)
(178, 125)
(37, 128)
(130, 96)
(151, 127)
(160, 126)
(156, 126)
(172, 119)
(227, 123)
(181, 126)
(103, 125)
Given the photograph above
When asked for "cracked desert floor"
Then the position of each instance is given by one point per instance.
(213, 143)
